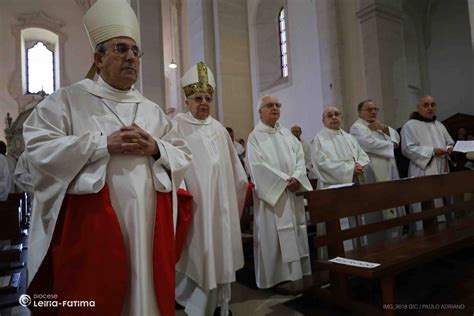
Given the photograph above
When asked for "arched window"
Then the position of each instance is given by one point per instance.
(40, 74)
(39, 61)
(283, 46)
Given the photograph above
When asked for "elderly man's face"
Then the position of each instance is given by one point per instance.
(296, 130)
(270, 110)
(332, 118)
(369, 112)
(427, 107)
(199, 104)
(117, 67)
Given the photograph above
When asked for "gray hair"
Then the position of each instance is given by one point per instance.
(260, 104)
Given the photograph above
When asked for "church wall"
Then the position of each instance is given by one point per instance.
(236, 99)
(302, 96)
(329, 49)
(353, 80)
(416, 57)
(77, 54)
(7, 103)
(450, 59)
(152, 62)
(198, 38)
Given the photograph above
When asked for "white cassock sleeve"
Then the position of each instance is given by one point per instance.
(374, 145)
(270, 182)
(412, 149)
(54, 155)
(174, 157)
(329, 170)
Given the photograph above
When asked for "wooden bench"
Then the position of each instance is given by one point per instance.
(11, 248)
(394, 255)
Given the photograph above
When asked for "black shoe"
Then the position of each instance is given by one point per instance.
(217, 312)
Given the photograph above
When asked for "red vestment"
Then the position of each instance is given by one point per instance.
(86, 260)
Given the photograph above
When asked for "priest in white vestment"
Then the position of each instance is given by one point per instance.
(427, 143)
(5, 176)
(378, 141)
(218, 183)
(277, 167)
(22, 175)
(337, 158)
(105, 162)
(296, 131)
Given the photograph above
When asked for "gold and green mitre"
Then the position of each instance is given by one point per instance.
(198, 79)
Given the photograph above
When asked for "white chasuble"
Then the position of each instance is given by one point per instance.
(333, 156)
(66, 146)
(382, 167)
(280, 238)
(218, 183)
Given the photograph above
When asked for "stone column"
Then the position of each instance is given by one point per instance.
(198, 42)
(384, 57)
(152, 80)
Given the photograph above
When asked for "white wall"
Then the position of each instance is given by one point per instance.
(450, 59)
(302, 97)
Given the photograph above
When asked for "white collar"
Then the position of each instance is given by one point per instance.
(103, 90)
(188, 117)
(262, 127)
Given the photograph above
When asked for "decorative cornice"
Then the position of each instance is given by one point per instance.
(39, 19)
(379, 10)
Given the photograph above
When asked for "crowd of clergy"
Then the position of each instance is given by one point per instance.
(135, 210)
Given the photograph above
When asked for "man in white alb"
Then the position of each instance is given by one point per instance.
(427, 143)
(378, 141)
(218, 183)
(5, 176)
(105, 162)
(296, 131)
(277, 168)
(337, 158)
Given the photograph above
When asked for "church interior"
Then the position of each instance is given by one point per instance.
(310, 54)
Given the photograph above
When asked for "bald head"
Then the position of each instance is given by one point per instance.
(427, 107)
(332, 118)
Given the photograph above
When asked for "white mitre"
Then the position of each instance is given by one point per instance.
(107, 19)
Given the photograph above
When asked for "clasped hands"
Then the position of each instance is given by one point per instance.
(132, 140)
(358, 168)
(293, 184)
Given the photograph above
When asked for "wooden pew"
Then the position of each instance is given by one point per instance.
(396, 254)
(11, 216)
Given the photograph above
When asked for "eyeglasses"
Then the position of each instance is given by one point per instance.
(200, 99)
(331, 114)
(372, 110)
(271, 105)
(122, 50)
